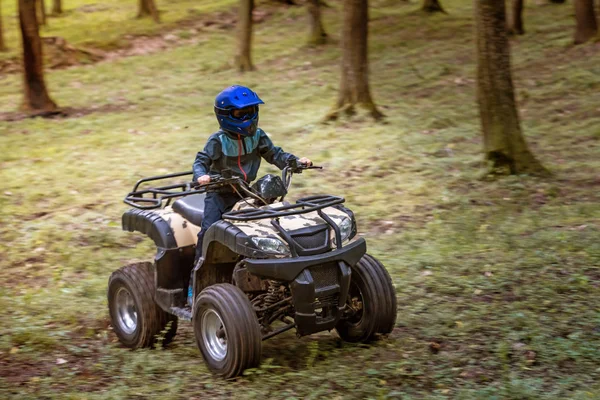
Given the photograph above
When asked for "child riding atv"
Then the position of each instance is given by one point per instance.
(238, 146)
(265, 265)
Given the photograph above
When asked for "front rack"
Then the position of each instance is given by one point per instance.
(303, 205)
(152, 198)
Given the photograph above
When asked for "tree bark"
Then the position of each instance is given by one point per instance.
(35, 95)
(504, 144)
(42, 12)
(148, 8)
(354, 82)
(586, 26)
(243, 59)
(2, 45)
(515, 19)
(432, 6)
(317, 35)
(57, 7)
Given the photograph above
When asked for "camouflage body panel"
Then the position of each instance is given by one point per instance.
(184, 231)
(263, 227)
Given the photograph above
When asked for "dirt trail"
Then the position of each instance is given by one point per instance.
(60, 54)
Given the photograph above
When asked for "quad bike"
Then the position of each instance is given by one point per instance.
(268, 266)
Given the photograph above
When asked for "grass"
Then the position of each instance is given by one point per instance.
(497, 282)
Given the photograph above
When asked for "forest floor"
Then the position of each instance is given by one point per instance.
(498, 282)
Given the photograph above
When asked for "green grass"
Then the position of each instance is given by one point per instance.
(497, 282)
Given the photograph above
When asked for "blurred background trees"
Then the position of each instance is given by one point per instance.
(243, 59)
(354, 72)
(317, 33)
(42, 18)
(2, 45)
(515, 18)
(147, 8)
(504, 144)
(35, 94)
(432, 6)
(586, 26)
(57, 7)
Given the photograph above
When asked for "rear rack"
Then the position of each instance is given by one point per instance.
(152, 198)
(303, 205)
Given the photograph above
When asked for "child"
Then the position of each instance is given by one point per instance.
(239, 146)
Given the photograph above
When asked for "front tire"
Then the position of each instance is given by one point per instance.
(372, 299)
(227, 330)
(135, 317)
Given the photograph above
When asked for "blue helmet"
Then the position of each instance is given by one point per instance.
(236, 109)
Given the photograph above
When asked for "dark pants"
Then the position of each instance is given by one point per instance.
(215, 205)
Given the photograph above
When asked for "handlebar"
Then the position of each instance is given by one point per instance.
(153, 197)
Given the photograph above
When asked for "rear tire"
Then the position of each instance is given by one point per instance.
(135, 317)
(373, 297)
(227, 330)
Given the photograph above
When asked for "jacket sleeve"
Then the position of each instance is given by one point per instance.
(271, 153)
(205, 158)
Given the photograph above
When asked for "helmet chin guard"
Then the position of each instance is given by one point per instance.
(237, 98)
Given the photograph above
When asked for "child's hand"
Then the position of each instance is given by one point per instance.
(305, 161)
(204, 179)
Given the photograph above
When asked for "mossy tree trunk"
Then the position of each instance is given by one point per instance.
(57, 7)
(41, 12)
(243, 59)
(2, 45)
(35, 95)
(586, 26)
(317, 35)
(515, 18)
(504, 144)
(432, 6)
(147, 8)
(354, 81)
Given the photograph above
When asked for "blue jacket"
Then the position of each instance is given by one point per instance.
(241, 154)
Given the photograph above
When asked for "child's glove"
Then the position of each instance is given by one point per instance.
(305, 161)
(204, 179)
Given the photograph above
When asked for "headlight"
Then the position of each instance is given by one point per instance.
(270, 245)
(345, 225)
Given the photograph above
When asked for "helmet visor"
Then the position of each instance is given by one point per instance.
(243, 114)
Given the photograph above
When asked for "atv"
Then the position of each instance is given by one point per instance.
(268, 266)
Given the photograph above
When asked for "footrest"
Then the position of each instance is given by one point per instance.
(182, 312)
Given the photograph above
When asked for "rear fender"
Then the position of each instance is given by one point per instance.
(175, 241)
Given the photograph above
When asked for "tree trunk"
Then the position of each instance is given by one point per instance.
(35, 95)
(57, 7)
(243, 59)
(148, 8)
(2, 45)
(317, 35)
(586, 27)
(515, 19)
(354, 83)
(504, 144)
(432, 6)
(41, 12)
(557, 1)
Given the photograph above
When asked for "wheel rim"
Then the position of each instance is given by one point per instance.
(355, 303)
(127, 316)
(214, 334)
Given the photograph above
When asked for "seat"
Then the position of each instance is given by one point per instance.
(191, 208)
